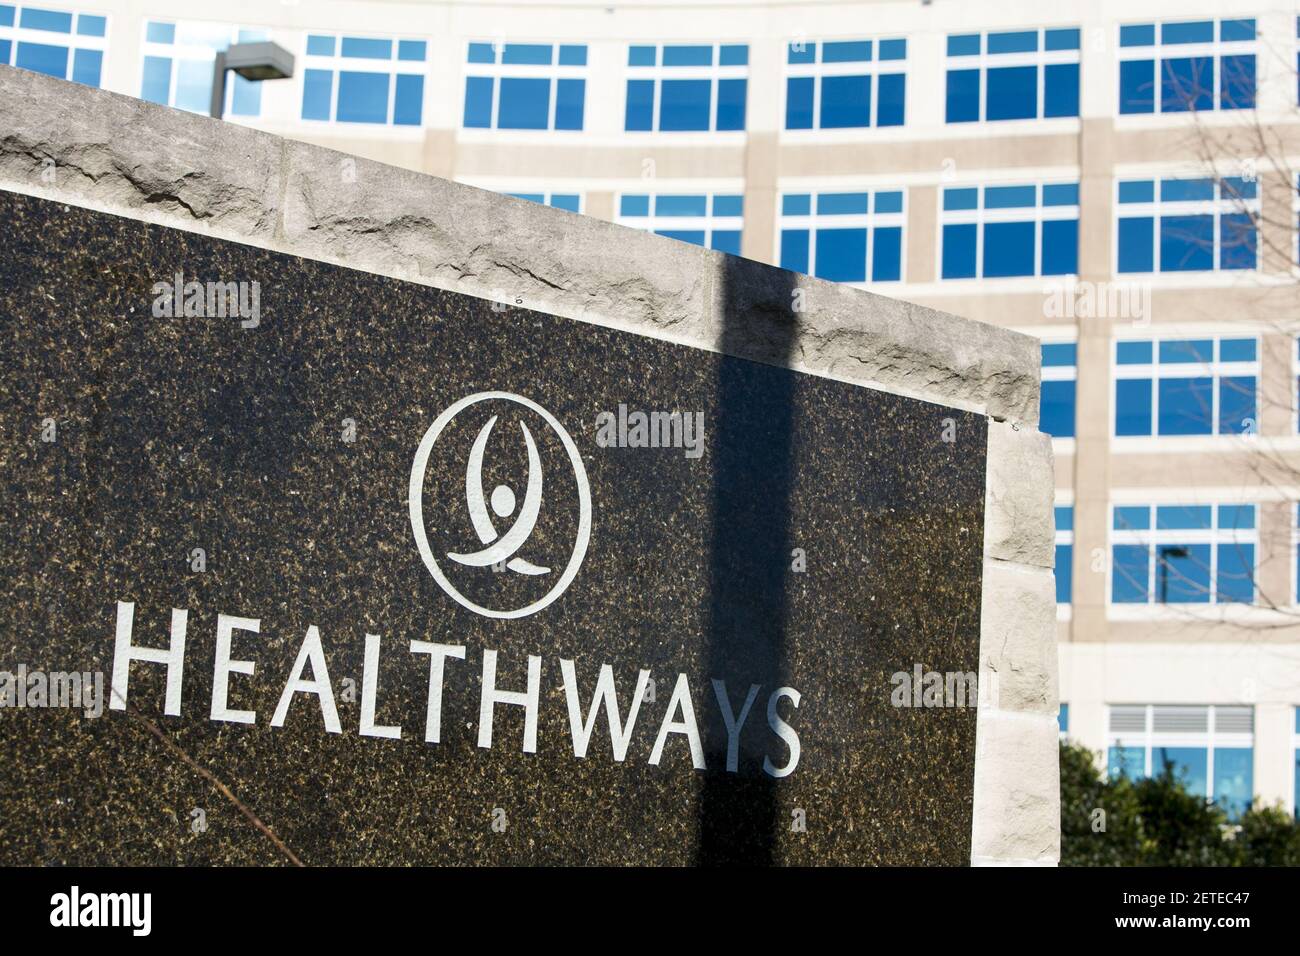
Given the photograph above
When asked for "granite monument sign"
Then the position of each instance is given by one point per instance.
(356, 567)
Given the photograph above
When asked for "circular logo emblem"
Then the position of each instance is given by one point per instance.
(504, 542)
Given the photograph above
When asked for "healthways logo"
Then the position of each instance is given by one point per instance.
(540, 496)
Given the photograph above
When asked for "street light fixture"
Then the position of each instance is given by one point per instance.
(1167, 552)
(253, 61)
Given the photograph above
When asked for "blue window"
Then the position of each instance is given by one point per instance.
(1005, 231)
(375, 80)
(1187, 66)
(843, 236)
(685, 88)
(1057, 391)
(1063, 719)
(713, 221)
(58, 43)
(1210, 749)
(1187, 387)
(530, 86)
(1064, 553)
(845, 84)
(1183, 554)
(569, 202)
(1016, 75)
(1187, 225)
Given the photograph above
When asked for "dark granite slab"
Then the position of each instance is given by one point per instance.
(195, 432)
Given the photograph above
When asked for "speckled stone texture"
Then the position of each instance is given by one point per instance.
(183, 433)
(116, 153)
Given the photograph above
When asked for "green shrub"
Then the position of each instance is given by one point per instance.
(1156, 822)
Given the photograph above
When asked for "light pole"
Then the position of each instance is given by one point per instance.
(1165, 553)
(252, 61)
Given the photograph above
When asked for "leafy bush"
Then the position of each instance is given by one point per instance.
(1156, 822)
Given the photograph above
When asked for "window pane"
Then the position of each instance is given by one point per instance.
(1182, 517)
(317, 87)
(959, 251)
(1012, 93)
(320, 45)
(726, 240)
(1126, 761)
(963, 100)
(157, 79)
(688, 56)
(1237, 412)
(43, 58)
(412, 50)
(1009, 249)
(1137, 86)
(193, 85)
(846, 102)
(1133, 406)
(1132, 518)
(408, 100)
(731, 104)
(1237, 82)
(245, 97)
(640, 105)
(1186, 243)
(641, 56)
(842, 255)
(1024, 41)
(528, 54)
(86, 66)
(887, 254)
(1187, 83)
(685, 105)
(1236, 575)
(1234, 778)
(1130, 566)
(1187, 764)
(799, 102)
(159, 32)
(681, 205)
(478, 102)
(891, 90)
(1061, 89)
(524, 104)
(1060, 254)
(1183, 573)
(1064, 554)
(794, 250)
(91, 26)
(366, 48)
(1185, 406)
(1133, 353)
(570, 103)
(363, 97)
(34, 18)
(846, 51)
(694, 236)
(1056, 413)
(1135, 244)
(1236, 241)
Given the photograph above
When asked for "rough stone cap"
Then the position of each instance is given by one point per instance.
(121, 155)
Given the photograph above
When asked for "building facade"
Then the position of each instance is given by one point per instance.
(1118, 179)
